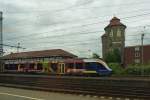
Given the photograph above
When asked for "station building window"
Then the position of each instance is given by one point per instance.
(137, 48)
(137, 54)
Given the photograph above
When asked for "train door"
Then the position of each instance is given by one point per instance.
(61, 68)
(54, 67)
(18, 67)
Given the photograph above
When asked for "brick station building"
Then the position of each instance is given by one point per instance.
(133, 55)
(34, 56)
(114, 37)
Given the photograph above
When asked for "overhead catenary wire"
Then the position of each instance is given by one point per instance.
(55, 42)
(89, 18)
(12, 46)
(77, 26)
(74, 43)
(49, 37)
(63, 35)
(58, 10)
(80, 43)
(63, 29)
(64, 42)
(52, 39)
(118, 5)
(127, 40)
(75, 7)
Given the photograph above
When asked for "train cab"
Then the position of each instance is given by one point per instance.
(96, 66)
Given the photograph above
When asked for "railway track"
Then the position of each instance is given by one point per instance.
(105, 86)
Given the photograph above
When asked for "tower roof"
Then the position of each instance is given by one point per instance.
(115, 22)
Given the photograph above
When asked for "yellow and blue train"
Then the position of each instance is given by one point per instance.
(61, 67)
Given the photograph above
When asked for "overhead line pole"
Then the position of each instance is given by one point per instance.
(1, 41)
(1, 34)
(18, 46)
(142, 37)
(142, 52)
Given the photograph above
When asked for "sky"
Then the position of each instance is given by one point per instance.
(73, 25)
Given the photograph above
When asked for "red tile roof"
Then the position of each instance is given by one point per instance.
(43, 53)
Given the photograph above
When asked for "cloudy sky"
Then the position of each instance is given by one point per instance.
(72, 25)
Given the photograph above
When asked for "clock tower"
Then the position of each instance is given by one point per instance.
(114, 37)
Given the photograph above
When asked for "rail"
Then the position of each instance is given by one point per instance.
(99, 86)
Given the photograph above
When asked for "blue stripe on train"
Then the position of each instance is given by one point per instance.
(104, 72)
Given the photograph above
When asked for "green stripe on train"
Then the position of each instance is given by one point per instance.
(89, 72)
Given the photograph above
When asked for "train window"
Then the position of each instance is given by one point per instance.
(100, 66)
(13, 67)
(6, 66)
(39, 66)
(70, 65)
(79, 65)
(31, 66)
(90, 66)
(22, 65)
(9, 66)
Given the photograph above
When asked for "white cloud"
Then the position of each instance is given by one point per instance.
(27, 17)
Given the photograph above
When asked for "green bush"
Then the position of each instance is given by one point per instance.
(113, 56)
(117, 69)
(138, 70)
(131, 70)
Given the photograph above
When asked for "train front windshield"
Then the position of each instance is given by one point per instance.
(100, 66)
(94, 66)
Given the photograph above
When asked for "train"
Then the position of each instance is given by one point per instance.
(78, 66)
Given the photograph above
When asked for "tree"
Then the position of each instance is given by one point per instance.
(117, 55)
(95, 55)
(113, 56)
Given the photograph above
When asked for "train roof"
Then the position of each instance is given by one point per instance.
(92, 60)
(73, 60)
